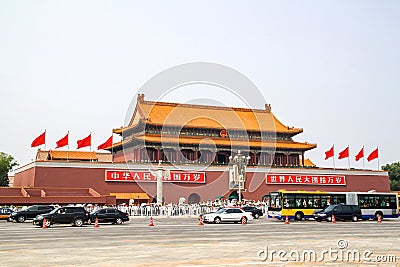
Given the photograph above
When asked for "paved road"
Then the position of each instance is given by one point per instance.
(182, 242)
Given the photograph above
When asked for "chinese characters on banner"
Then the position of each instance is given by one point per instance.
(146, 176)
(305, 179)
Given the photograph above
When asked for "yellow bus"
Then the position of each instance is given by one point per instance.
(303, 204)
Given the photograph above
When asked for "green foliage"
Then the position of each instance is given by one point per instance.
(7, 163)
(394, 185)
(394, 175)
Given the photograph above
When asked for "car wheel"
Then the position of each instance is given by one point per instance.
(47, 223)
(217, 220)
(78, 222)
(354, 218)
(376, 215)
(118, 221)
(299, 216)
(21, 219)
(256, 216)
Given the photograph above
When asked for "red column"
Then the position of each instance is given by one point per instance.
(254, 158)
(158, 155)
(135, 154)
(287, 159)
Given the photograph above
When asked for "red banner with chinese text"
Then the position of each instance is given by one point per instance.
(147, 176)
(305, 179)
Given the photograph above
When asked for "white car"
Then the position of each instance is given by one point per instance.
(228, 215)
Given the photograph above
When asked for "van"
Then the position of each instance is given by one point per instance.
(64, 215)
(341, 211)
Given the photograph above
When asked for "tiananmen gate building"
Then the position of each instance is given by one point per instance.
(193, 144)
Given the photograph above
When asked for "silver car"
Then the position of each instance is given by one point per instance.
(228, 215)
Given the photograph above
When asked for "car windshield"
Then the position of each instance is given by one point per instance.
(220, 211)
(329, 208)
(54, 211)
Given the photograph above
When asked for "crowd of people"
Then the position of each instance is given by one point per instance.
(183, 209)
(171, 209)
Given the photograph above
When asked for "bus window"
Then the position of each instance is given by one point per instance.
(276, 201)
(326, 201)
(288, 201)
(310, 202)
(385, 201)
(377, 201)
(392, 202)
(302, 201)
(299, 201)
(337, 199)
(316, 202)
(374, 201)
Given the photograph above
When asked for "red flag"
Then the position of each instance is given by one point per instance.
(329, 153)
(85, 141)
(40, 140)
(344, 153)
(106, 144)
(63, 141)
(373, 155)
(360, 154)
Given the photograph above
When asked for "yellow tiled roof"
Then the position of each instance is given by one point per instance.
(72, 155)
(130, 195)
(201, 116)
(308, 163)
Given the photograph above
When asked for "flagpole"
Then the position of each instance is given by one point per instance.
(333, 158)
(112, 148)
(348, 158)
(44, 139)
(68, 146)
(378, 157)
(90, 146)
(363, 158)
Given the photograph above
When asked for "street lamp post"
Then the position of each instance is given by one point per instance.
(159, 173)
(239, 170)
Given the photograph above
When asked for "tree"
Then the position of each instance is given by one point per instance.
(394, 175)
(7, 163)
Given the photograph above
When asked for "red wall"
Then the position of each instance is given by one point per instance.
(25, 178)
(217, 183)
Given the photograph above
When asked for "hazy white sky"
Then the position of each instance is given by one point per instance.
(329, 67)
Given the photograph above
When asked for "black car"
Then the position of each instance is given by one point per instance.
(64, 215)
(256, 212)
(341, 212)
(109, 215)
(30, 212)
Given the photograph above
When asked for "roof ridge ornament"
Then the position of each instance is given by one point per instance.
(140, 98)
(268, 108)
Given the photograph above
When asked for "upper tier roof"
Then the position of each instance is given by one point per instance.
(201, 116)
(51, 155)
